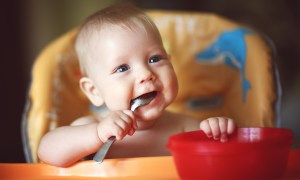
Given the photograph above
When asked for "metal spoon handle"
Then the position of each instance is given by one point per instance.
(100, 155)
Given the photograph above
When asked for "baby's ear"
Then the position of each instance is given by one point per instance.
(90, 90)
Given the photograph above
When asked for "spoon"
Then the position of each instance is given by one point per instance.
(100, 155)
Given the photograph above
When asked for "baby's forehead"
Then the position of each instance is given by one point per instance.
(113, 32)
(126, 28)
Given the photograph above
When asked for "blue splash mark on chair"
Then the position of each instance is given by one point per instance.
(230, 48)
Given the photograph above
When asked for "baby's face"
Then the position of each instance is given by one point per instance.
(129, 64)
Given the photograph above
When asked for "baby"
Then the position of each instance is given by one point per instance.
(122, 59)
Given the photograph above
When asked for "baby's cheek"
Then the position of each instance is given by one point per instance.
(173, 90)
(118, 100)
(117, 104)
(170, 85)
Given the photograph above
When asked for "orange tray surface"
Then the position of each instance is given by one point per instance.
(131, 168)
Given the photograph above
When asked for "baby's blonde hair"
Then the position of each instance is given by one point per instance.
(124, 16)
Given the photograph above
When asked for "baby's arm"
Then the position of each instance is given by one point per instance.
(66, 145)
(218, 127)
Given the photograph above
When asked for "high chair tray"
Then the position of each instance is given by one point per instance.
(130, 168)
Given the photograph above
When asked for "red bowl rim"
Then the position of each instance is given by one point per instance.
(283, 138)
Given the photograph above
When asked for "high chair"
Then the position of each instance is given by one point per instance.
(224, 69)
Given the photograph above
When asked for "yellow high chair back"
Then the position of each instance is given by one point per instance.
(223, 68)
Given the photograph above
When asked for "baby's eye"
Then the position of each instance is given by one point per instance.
(154, 59)
(121, 68)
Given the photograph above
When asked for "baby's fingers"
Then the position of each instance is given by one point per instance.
(131, 132)
(215, 128)
(218, 127)
(230, 126)
(128, 124)
(227, 126)
(223, 129)
(131, 122)
(131, 115)
(205, 127)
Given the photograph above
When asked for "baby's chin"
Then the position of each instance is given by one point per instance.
(149, 117)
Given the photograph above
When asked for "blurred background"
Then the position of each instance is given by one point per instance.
(28, 26)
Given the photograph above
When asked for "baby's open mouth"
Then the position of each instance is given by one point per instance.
(145, 97)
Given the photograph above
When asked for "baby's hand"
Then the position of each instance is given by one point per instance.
(117, 123)
(218, 127)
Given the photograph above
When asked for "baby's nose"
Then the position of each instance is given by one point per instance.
(146, 76)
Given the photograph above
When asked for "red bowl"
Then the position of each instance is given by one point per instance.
(250, 153)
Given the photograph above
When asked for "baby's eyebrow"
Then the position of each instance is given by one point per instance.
(117, 61)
